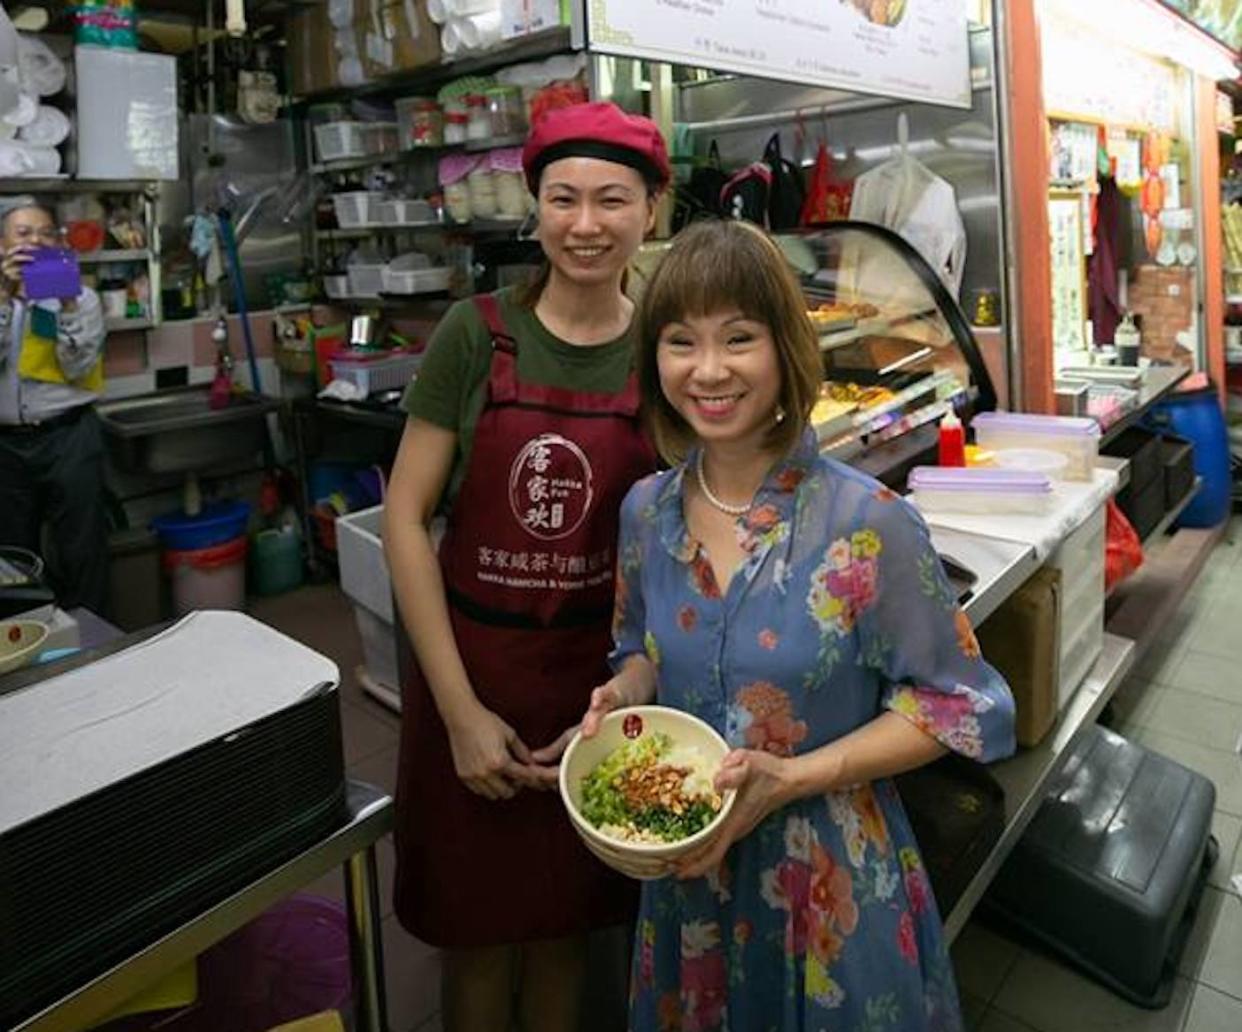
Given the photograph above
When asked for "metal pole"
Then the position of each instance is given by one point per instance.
(365, 941)
(1011, 294)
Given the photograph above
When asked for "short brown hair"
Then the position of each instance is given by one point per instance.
(724, 265)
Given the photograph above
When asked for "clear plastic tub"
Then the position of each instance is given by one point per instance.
(1078, 439)
(373, 373)
(380, 137)
(366, 279)
(402, 212)
(336, 287)
(415, 281)
(337, 140)
(979, 491)
(354, 210)
(1032, 460)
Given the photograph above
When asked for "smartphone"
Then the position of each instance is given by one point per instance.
(52, 272)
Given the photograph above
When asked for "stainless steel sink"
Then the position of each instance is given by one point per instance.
(178, 431)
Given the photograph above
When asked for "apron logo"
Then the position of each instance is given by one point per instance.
(550, 487)
(632, 726)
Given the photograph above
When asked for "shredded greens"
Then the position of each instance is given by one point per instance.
(624, 793)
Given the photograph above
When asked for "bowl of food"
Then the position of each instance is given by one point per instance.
(640, 793)
(20, 642)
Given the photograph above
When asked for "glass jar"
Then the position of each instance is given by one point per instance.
(456, 121)
(479, 122)
(510, 194)
(506, 111)
(457, 201)
(426, 124)
(482, 193)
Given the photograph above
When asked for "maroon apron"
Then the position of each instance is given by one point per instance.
(528, 562)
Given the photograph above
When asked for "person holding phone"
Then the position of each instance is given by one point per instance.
(51, 443)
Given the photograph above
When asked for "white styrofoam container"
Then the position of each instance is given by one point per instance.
(127, 114)
(379, 647)
(360, 552)
(1080, 558)
(364, 578)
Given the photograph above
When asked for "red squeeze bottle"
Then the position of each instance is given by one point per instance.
(951, 446)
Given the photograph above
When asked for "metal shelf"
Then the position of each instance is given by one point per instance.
(363, 232)
(134, 254)
(493, 142)
(63, 184)
(1026, 774)
(140, 323)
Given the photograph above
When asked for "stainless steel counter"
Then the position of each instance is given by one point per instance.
(1001, 566)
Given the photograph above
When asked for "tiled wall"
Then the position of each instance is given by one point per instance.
(1166, 299)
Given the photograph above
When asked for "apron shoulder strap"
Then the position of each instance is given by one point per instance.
(489, 308)
(502, 380)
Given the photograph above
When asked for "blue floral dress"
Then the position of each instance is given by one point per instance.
(822, 918)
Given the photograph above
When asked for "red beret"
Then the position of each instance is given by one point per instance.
(598, 130)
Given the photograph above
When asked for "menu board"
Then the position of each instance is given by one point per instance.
(914, 49)
(1069, 296)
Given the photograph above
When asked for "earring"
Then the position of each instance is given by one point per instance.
(780, 414)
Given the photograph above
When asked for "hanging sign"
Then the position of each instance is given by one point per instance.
(1069, 296)
(913, 49)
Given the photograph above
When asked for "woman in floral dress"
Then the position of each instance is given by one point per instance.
(799, 608)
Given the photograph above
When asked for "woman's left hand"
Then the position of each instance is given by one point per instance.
(763, 783)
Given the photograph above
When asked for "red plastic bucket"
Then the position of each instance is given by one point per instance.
(208, 578)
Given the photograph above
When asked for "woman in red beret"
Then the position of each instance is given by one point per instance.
(524, 434)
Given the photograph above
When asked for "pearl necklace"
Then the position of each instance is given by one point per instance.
(729, 510)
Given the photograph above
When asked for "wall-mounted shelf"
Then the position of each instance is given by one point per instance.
(137, 254)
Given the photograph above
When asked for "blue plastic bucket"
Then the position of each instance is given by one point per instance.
(215, 525)
(1197, 416)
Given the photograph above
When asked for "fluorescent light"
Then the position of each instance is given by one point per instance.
(1151, 28)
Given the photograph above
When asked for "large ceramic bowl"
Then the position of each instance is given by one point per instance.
(642, 860)
(20, 642)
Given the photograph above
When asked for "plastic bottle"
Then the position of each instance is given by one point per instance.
(951, 445)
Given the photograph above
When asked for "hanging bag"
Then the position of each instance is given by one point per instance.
(827, 198)
(786, 194)
(746, 194)
(700, 198)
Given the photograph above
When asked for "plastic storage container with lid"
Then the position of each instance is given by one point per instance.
(420, 123)
(354, 209)
(336, 140)
(983, 491)
(482, 184)
(1076, 438)
(506, 110)
(1032, 460)
(453, 172)
(512, 200)
(402, 211)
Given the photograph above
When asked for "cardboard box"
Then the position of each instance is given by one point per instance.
(395, 36)
(311, 53)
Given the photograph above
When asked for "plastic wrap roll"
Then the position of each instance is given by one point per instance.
(24, 113)
(43, 73)
(437, 11)
(450, 39)
(479, 31)
(50, 128)
(19, 159)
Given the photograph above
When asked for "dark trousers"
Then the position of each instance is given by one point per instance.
(56, 473)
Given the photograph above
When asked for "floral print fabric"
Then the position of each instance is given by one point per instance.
(823, 917)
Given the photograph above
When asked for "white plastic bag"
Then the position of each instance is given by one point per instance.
(19, 159)
(50, 128)
(43, 73)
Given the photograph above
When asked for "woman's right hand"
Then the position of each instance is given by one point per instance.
(11, 267)
(488, 755)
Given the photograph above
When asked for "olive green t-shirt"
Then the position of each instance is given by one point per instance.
(451, 385)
